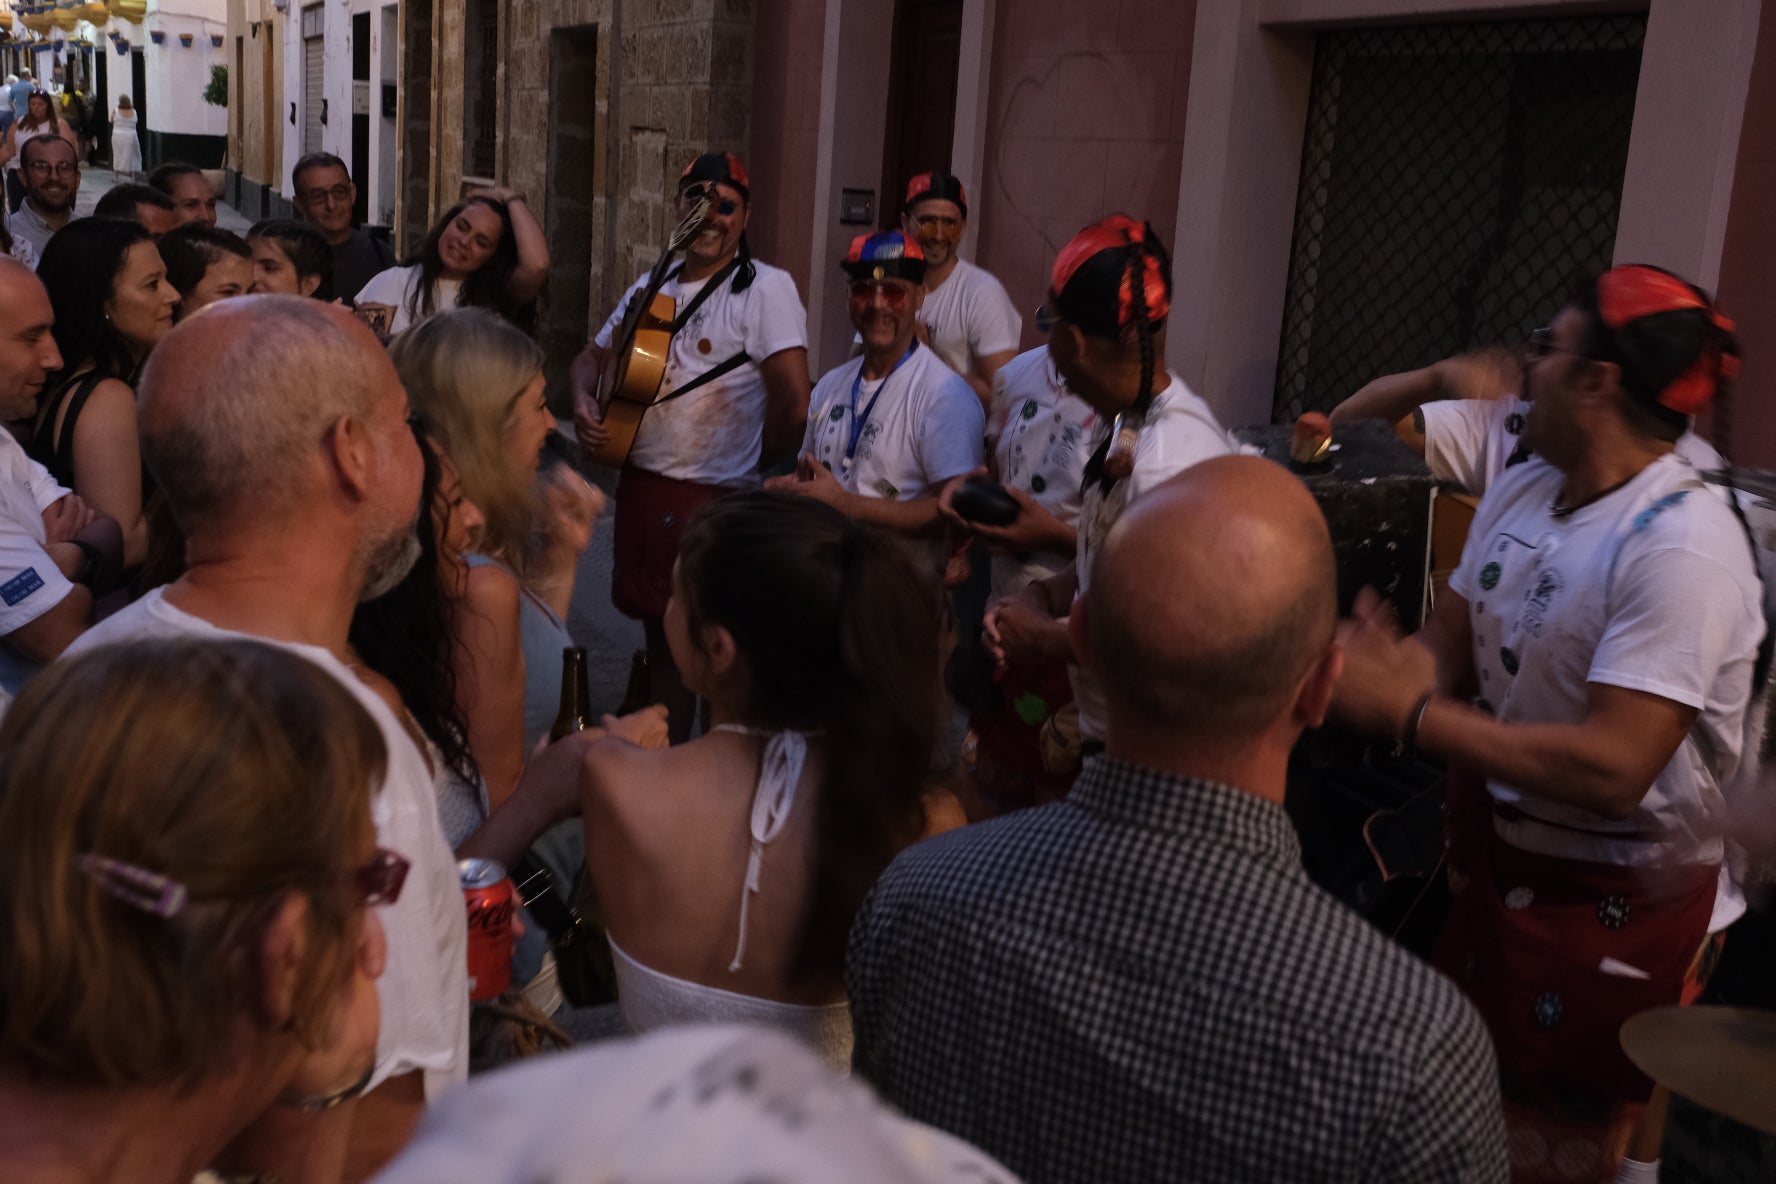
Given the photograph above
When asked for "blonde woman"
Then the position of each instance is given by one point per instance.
(478, 383)
(186, 861)
(126, 149)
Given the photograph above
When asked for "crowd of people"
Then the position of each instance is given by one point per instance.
(975, 678)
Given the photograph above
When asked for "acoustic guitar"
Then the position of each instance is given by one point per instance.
(630, 381)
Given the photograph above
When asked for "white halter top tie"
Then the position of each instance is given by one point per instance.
(772, 803)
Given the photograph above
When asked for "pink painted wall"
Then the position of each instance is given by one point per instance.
(1085, 118)
(786, 132)
(1748, 260)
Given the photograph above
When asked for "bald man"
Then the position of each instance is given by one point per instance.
(279, 432)
(53, 548)
(1139, 982)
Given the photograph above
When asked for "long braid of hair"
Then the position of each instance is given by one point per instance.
(1143, 323)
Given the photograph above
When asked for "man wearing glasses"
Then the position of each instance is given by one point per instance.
(326, 196)
(1465, 415)
(51, 173)
(733, 399)
(967, 318)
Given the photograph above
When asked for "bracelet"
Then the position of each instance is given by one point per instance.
(1409, 738)
(321, 1103)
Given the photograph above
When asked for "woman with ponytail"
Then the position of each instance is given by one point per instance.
(1107, 304)
(730, 867)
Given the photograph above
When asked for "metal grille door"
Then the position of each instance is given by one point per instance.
(1457, 181)
(314, 59)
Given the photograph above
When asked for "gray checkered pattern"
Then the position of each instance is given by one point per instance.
(1140, 983)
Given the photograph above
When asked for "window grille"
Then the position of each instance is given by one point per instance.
(1457, 181)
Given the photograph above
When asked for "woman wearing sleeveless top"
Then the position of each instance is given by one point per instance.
(112, 303)
(478, 383)
(731, 867)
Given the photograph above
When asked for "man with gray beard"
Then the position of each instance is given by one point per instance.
(278, 430)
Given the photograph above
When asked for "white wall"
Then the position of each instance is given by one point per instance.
(177, 76)
(337, 89)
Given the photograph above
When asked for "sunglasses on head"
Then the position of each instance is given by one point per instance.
(725, 206)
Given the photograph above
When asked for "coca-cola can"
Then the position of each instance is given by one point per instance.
(491, 900)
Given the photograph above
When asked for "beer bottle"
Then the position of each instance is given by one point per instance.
(639, 693)
(576, 696)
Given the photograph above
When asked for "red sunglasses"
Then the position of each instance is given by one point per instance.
(895, 294)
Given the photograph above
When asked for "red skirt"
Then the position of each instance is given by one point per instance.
(652, 513)
(1558, 953)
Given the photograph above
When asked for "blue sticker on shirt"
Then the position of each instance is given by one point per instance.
(1645, 518)
(20, 586)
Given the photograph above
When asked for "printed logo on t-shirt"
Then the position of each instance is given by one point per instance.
(1030, 409)
(1645, 518)
(1489, 576)
(1037, 484)
(1514, 423)
(1548, 585)
(1508, 659)
(20, 586)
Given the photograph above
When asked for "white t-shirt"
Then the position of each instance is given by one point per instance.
(30, 582)
(714, 434)
(424, 988)
(970, 316)
(397, 286)
(1472, 441)
(1651, 588)
(1180, 431)
(921, 426)
(1041, 435)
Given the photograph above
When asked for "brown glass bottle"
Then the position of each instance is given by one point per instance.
(639, 692)
(576, 696)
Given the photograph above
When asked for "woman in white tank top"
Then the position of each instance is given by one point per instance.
(730, 868)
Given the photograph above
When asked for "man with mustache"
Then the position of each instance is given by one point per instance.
(733, 399)
(51, 174)
(888, 429)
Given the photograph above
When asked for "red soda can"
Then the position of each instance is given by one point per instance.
(491, 900)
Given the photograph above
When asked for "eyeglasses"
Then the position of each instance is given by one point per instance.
(60, 168)
(1541, 344)
(338, 195)
(725, 206)
(896, 294)
(936, 221)
(380, 880)
(1046, 317)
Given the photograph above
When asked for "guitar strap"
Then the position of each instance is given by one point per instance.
(710, 375)
(679, 322)
(715, 281)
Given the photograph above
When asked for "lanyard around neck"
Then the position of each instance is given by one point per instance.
(857, 420)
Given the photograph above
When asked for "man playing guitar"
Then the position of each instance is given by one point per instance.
(739, 356)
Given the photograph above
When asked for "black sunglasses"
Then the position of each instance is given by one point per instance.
(724, 206)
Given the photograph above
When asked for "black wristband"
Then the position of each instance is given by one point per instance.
(94, 560)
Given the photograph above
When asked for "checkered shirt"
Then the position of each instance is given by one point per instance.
(1140, 983)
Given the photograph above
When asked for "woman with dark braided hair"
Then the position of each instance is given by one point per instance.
(1589, 677)
(1106, 307)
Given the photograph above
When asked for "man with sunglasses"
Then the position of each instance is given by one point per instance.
(1464, 415)
(323, 193)
(888, 429)
(1589, 676)
(50, 170)
(967, 318)
(734, 398)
